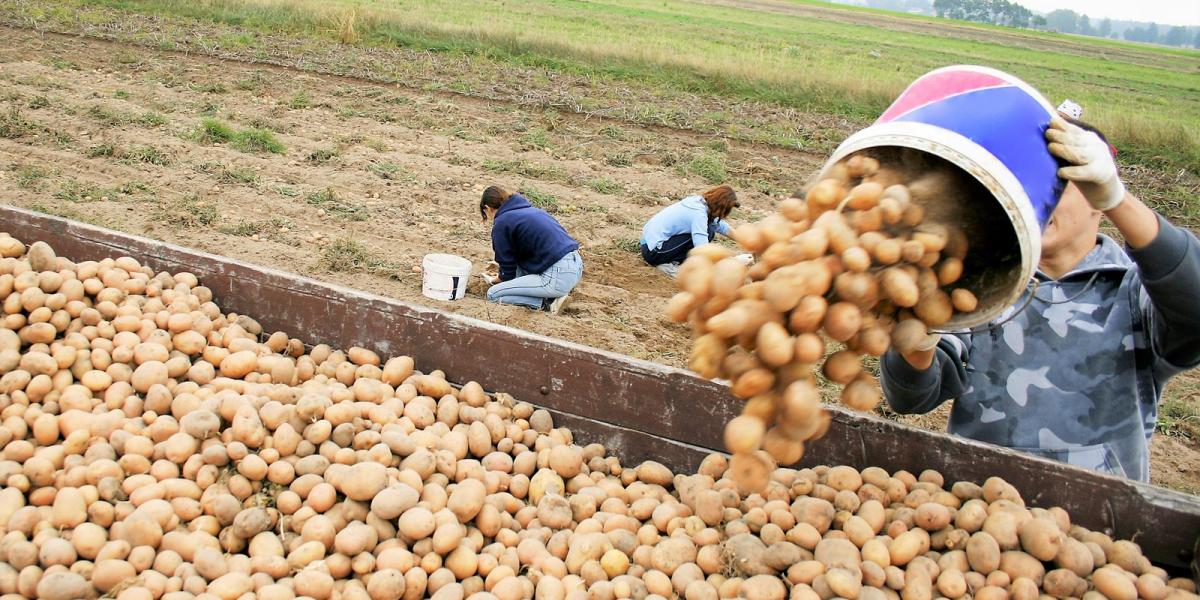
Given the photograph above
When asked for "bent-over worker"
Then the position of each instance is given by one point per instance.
(539, 262)
(694, 221)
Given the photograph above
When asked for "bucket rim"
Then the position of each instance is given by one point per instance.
(1008, 77)
(984, 168)
(445, 261)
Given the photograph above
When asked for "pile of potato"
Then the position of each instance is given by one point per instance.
(850, 270)
(155, 447)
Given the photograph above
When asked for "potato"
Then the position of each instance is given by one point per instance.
(744, 434)
(842, 320)
(905, 547)
(952, 584)
(753, 383)
(899, 287)
(932, 516)
(842, 366)
(727, 275)
(823, 196)
(809, 348)
(1019, 564)
(861, 394)
(750, 472)
(417, 523)
(983, 552)
(1125, 554)
(1073, 555)
(808, 315)
(706, 355)
(1002, 525)
(749, 237)
(695, 275)
(762, 587)
(1062, 583)
(774, 346)
(1041, 538)
(843, 582)
(1151, 587)
(65, 585)
(386, 584)
(680, 305)
(1114, 584)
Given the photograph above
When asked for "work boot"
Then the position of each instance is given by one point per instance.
(556, 305)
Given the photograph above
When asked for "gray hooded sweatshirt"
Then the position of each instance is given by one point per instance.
(1076, 376)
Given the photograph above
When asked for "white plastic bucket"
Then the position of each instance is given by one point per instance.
(445, 276)
(990, 126)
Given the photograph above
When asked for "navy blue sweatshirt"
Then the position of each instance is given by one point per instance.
(527, 237)
(1077, 375)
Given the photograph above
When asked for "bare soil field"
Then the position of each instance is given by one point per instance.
(396, 171)
(370, 176)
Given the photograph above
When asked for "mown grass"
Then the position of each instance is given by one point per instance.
(543, 200)
(347, 255)
(269, 227)
(524, 168)
(251, 140)
(780, 56)
(332, 203)
(187, 211)
(1179, 413)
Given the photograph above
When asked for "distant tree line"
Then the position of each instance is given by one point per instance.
(1003, 12)
(996, 12)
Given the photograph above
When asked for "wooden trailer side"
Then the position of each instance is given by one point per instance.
(637, 409)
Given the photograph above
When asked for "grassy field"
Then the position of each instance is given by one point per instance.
(803, 55)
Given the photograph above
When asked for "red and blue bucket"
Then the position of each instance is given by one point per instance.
(990, 127)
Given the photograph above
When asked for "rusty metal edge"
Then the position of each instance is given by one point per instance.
(1127, 509)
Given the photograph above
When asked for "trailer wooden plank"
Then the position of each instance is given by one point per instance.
(638, 409)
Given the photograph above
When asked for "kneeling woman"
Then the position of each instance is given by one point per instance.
(539, 262)
(694, 221)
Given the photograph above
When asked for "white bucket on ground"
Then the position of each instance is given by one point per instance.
(445, 276)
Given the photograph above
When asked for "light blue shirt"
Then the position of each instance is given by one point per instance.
(689, 215)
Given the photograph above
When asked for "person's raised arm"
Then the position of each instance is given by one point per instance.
(1168, 257)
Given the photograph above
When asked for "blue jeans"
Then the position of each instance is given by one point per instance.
(530, 289)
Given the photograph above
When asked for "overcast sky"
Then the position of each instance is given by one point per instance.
(1171, 12)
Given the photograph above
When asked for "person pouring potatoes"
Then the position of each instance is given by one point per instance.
(1077, 375)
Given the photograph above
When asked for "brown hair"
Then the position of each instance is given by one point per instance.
(493, 197)
(721, 201)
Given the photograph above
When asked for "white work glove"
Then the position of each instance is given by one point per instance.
(1091, 166)
(491, 272)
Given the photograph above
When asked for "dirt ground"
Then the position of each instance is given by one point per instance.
(370, 177)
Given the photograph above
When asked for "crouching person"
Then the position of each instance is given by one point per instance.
(539, 262)
(694, 221)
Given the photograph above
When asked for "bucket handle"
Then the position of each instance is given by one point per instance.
(1031, 295)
